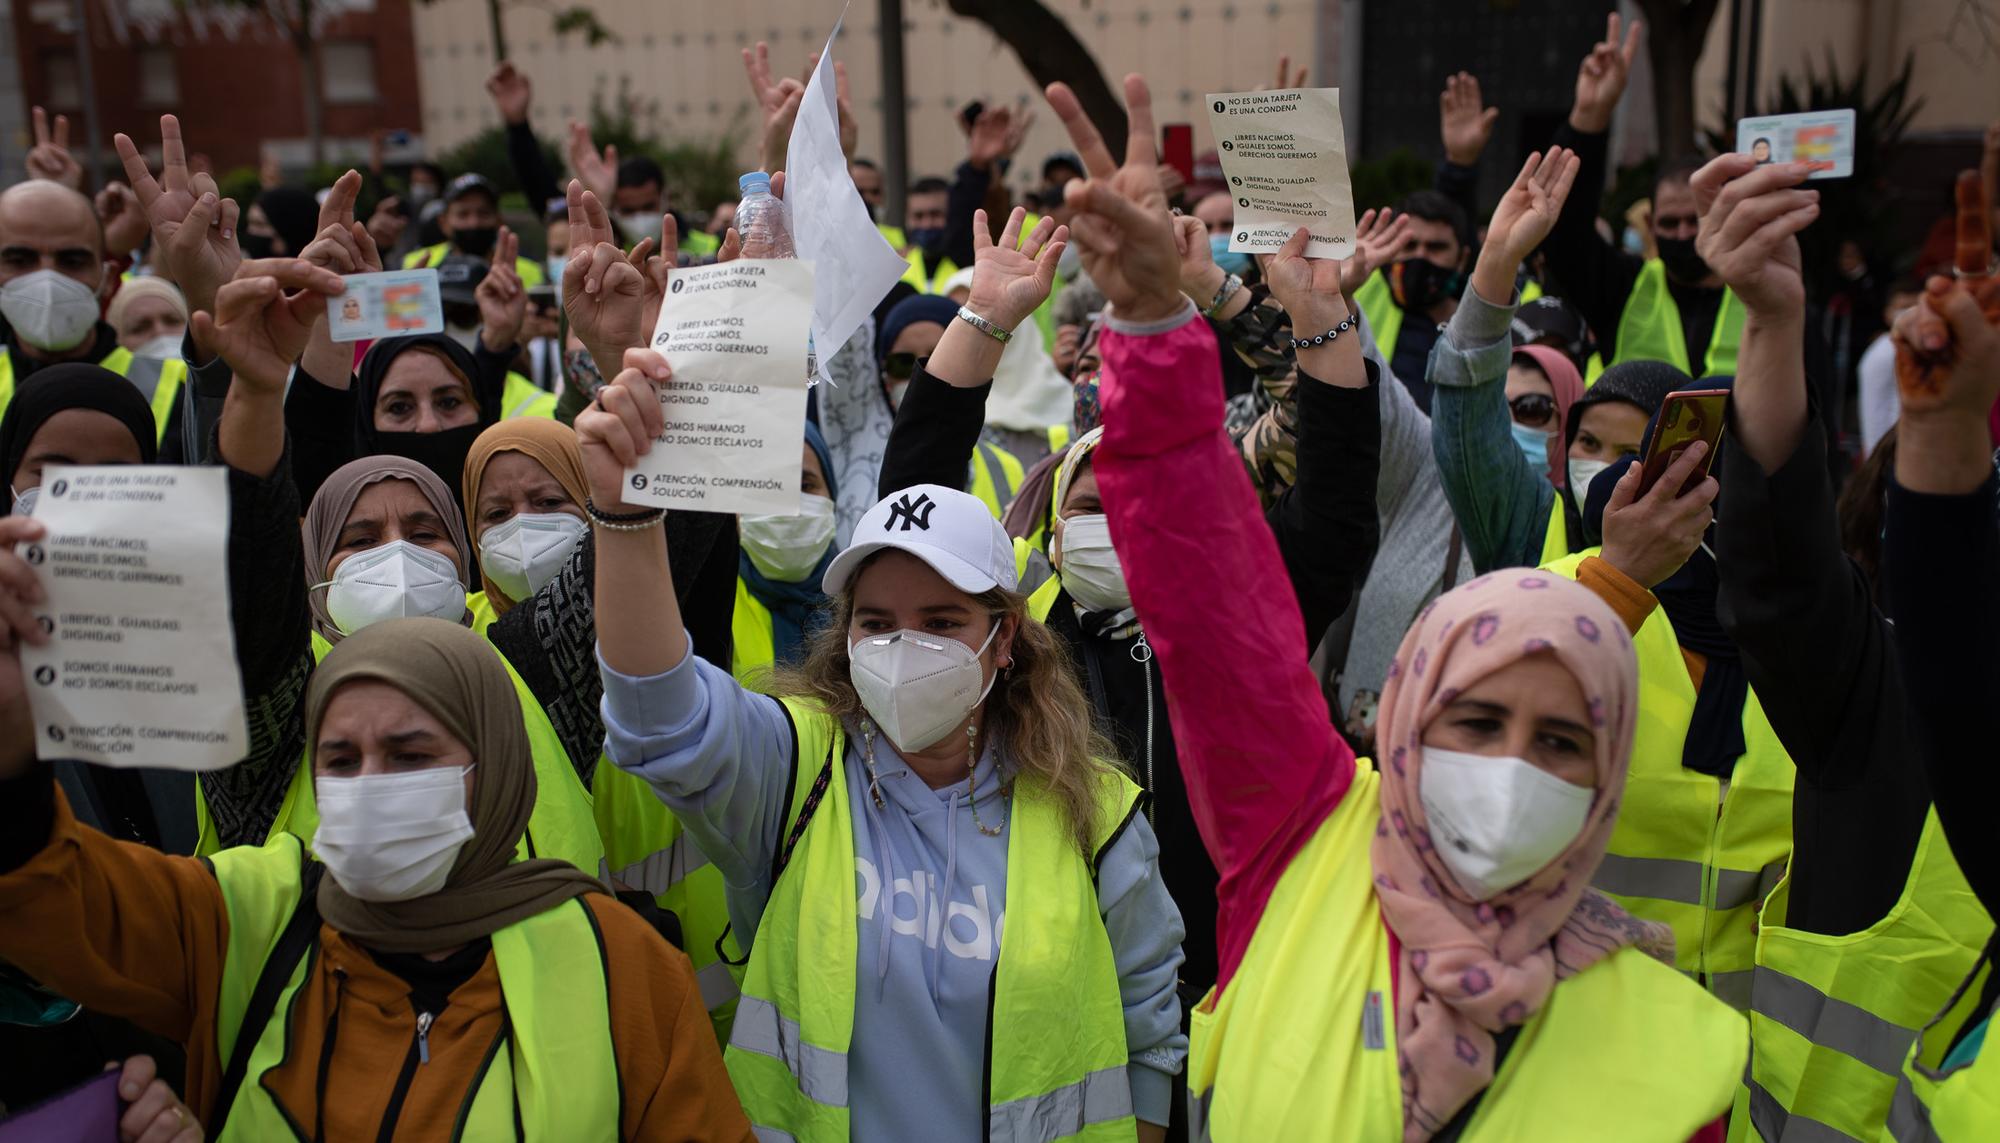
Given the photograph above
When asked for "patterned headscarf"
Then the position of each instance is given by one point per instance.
(1471, 968)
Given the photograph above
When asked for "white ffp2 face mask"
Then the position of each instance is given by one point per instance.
(391, 837)
(24, 501)
(788, 548)
(166, 347)
(1581, 473)
(395, 581)
(918, 687)
(1090, 569)
(523, 554)
(49, 310)
(1497, 821)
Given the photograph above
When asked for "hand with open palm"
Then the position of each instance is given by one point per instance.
(1011, 278)
(1523, 218)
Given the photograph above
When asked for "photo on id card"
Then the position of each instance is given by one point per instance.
(397, 303)
(1822, 138)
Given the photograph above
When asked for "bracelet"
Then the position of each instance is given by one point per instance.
(966, 315)
(1327, 338)
(623, 522)
(1223, 293)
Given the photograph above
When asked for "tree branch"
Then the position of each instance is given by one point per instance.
(1051, 52)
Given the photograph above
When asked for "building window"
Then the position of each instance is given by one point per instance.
(349, 71)
(159, 78)
(62, 90)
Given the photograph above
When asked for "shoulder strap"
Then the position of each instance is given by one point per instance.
(806, 811)
(1502, 1044)
(293, 942)
(1451, 557)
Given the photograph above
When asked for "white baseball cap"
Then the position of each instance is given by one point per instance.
(951, 531)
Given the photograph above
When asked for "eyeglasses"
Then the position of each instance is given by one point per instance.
(1535, 410)
(900, 366)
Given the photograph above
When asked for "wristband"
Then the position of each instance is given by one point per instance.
(982, 325)
(625, 521)
(1327, 338)
(1223, 293)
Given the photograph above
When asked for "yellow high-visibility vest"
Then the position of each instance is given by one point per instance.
(1649, 328)
(161, 381)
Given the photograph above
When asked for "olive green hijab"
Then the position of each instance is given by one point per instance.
(458, 677)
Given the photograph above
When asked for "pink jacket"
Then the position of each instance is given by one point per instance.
(1261, 760)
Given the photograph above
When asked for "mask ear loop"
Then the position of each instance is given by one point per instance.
(972, 742)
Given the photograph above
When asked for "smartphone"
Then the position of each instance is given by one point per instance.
(86, 1113)
(1685, 417)
(1177, 148)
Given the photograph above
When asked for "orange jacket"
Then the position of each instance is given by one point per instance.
(138, 934)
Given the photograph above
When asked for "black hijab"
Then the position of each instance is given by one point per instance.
(294, 214)
(72, 385)
(442, 452)
(1715, 735)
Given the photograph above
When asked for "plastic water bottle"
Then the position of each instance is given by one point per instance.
(760, 219)
(760, 223)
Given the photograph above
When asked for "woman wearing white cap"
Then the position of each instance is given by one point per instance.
(933, 753)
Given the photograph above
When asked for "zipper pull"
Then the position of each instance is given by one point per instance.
(1142, 651)
(423, 1037)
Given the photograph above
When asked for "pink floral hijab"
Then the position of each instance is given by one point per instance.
(1472, 968)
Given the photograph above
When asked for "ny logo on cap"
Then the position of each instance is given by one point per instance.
(914, 514)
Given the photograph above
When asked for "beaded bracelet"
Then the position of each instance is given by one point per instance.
(1327, 338)
(623, 522)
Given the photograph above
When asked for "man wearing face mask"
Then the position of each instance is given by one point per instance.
(640, 202)
(52, 278)
(1408, 301)
(471, 224)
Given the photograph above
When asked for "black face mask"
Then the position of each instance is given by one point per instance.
(929, 238)
(442, 452)
(1683, 264)
(1417, 284)
(475, 240)
(255, 245)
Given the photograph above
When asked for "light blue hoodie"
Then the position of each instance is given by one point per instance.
(720, 757)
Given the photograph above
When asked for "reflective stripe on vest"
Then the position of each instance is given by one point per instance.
(996, 476)
(1832, 1018)
(532, 273)
(520, 397)
(560, 826)
(1627, 1041)
(159, 381)
(1689, 849)
(1649, 328)
(559, 1076)
(1385, 317)
(1959, 1106)
(788, 1054)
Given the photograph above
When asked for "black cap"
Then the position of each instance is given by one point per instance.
(459, 276)
(468, 183)
(1552, 317)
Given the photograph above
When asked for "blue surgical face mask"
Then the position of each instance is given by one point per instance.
(1533, 443)
(1231, 262)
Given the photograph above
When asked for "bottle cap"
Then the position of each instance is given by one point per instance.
(753, 181)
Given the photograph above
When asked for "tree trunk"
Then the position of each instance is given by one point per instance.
(1051, 52)
(1675, 32)
(499, 31)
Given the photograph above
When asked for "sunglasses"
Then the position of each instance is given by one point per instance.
(1535, 410)
(900, 366)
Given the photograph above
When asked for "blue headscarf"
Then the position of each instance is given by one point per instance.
(908, 312)
(797, 609)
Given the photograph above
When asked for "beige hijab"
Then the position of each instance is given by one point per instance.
(458, 677)
(334, 502)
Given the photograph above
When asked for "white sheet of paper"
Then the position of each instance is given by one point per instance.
(735, 335)
(140, 669)
(1284, 156)
(831, 227)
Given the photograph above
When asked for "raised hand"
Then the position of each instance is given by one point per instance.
(1750, 220)
(620, 425)
(20, 592)
(1008, 284)
(503, 300)
(601, 291)
(654, 269)
(1525, 215)
(1464, 122)
(597, 170)
(263, 318)
(336, 214)
(1649, 537)
(1378, 239)
(1200, 276)
(49, 158)
(124, 220)
(1120, 221)
(194, 229)
(1286, 77)
(1947, 345)
(997, 135)
(512, 93)
(777, 139)
(1601, 78)
(1310, 289)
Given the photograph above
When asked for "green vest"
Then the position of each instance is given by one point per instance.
(160, 381)
(558, 1077)
(532, 273)
(1302, 1043)
(1833, 1017)
(914, 272)
(1958, 1106)
(700, 243)
(560, 826)
(1385, 317)
(1649, 329)
(754, 644)
(1056, 1051)
(1555, 541)
(523, 398)
(1688, 849)
(996, 476)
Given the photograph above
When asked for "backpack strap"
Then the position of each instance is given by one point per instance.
(297, 937)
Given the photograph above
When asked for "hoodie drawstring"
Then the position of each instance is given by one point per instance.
(326, 1044)
(942, 904)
